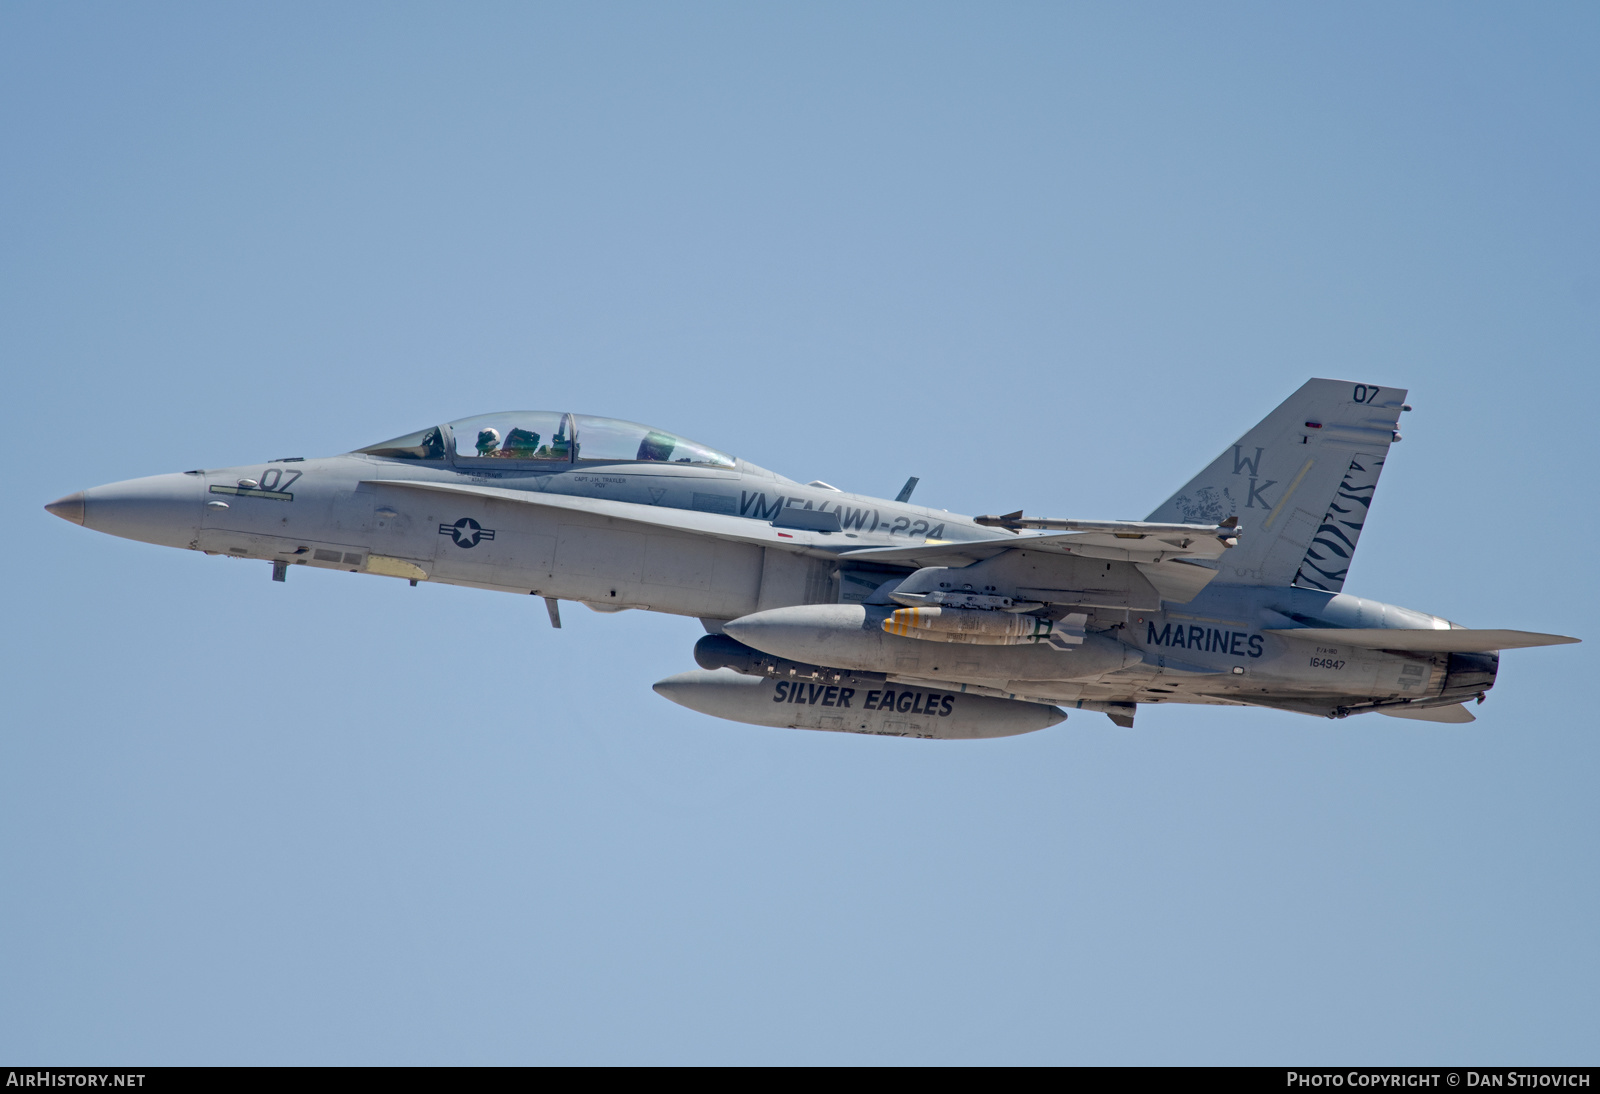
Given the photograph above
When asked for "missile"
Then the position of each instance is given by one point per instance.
(852, 637)
(983, 627)
(882, 709)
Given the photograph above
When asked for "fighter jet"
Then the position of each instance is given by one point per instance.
(837, 611)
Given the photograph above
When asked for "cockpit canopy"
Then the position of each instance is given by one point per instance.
(548, 437)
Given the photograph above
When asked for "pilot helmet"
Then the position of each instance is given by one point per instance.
(488, 440)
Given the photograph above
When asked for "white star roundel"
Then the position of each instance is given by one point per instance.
(466, 532)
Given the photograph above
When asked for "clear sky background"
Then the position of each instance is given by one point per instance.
(1043, 255)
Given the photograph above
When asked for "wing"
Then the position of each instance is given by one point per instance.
(1111, 540)
(1177, 559)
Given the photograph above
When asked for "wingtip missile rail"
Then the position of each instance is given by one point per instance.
(1227, 531)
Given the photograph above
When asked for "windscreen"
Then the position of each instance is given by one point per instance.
(425, 444)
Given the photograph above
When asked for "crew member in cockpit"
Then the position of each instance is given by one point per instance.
(521, 444)
(488, 441)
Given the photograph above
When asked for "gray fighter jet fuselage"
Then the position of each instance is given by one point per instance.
(831, 610)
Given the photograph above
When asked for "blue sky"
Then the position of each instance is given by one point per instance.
(1053, 256)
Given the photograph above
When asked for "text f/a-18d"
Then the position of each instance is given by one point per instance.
(831, 610)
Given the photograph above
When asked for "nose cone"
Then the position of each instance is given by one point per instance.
(68, 508)
(672, 686)
(162, 509)
(819, 633)
(721, 693)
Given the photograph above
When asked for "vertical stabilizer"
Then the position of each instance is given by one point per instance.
(1300, 483)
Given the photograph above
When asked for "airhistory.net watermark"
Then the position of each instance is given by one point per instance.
(74, 1078)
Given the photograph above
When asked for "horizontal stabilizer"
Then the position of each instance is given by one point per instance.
(1457, 715)
(1458, 640)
